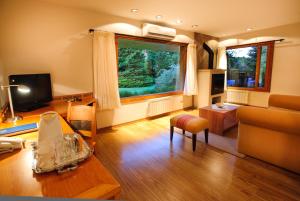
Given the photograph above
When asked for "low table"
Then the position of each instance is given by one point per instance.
(219, 119)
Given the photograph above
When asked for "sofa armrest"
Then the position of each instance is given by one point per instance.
(280, 120)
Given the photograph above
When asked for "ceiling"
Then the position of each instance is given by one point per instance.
(214, 17)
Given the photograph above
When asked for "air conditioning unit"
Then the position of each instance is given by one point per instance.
(159, 32)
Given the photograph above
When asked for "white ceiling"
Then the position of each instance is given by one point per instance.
(214, 17)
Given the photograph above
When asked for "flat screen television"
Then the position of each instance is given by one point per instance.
(40, 91)
(217, 85)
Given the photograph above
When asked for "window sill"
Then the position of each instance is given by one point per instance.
(250, 89)
(136, 99)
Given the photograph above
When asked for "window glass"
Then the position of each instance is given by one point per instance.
(147, 67)
(241, 64)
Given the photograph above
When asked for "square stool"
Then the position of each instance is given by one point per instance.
(191, 124)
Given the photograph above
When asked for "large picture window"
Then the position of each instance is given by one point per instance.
(250, 66)
(149, 67)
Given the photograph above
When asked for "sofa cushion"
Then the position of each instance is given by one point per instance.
(281, 120)
(285, 101)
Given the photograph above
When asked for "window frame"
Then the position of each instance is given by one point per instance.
(269, 65)
(183, 57)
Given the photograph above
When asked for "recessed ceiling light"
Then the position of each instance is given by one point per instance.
(179, 21)
(134, 10)
(158, 17)
(249, 29)
(194, 26)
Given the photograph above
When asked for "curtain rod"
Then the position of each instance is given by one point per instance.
(91, 31)
(279, 40)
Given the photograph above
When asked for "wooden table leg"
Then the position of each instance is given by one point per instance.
(206, 131)
(194, 141)
(171, 133)
(117, 196)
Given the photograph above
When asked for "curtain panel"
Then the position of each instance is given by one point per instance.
(222, 58)
(190, 84)
(106, 89)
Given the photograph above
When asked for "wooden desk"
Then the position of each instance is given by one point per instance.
(32, 119)
(89, 180)
(59, 106)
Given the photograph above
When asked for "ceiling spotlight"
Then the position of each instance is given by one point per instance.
(134, 10)
(194, 26)
(179, 21)
(249, 29)
(158, 17)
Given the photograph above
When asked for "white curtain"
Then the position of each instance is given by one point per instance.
(222, 58)
(106, 89)
(190, 84)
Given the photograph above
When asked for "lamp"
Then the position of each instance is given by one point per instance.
(22, 89)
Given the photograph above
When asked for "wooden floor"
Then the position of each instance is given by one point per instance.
(148, 167)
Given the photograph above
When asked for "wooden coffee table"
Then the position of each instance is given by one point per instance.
(220, 119)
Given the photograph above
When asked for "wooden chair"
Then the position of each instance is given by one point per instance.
(82, 118)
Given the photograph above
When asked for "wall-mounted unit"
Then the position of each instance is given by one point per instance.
(159, 32)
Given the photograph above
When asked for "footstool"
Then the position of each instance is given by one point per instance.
(191, 124)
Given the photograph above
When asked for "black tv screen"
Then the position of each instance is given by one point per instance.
(217, 84)
(40, 91)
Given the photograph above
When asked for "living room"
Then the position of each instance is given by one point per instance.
(247, 53)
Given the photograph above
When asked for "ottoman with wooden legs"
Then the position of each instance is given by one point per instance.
(191, 124)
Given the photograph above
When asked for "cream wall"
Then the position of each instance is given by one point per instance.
(286, 60)
(39, 37)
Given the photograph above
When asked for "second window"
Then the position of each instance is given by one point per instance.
(249, 66)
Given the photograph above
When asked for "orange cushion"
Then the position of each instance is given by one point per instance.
(189, 123)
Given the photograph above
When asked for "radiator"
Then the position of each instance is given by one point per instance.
(237, 96)
(160, 106)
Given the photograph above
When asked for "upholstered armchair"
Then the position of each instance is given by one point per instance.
(272, 134)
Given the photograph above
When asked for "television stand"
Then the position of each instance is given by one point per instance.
(205, 96)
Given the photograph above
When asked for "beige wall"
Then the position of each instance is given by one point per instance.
(286, 70)
(286, 61)
(132, 112)
(39, 37)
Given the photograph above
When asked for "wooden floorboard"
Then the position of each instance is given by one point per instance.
(149, 167)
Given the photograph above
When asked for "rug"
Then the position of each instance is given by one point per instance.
(226, 143)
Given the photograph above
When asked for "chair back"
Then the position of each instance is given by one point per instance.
(83, 117)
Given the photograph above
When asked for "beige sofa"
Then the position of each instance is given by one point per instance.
(272, 134)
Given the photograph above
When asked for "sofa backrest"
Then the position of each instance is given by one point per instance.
(285, 101)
